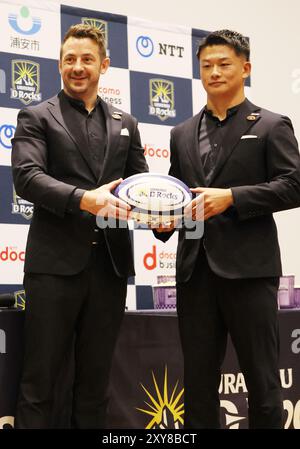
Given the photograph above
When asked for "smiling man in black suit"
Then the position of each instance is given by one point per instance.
(243, 162)
(68, 154)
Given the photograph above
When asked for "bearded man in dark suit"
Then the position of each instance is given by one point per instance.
(68, 154)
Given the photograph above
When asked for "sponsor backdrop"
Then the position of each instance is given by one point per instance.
(153, 75)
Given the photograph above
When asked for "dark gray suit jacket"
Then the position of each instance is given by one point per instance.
(264, 174)
(50, 159)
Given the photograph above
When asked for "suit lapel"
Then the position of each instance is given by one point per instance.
(113, 128)
(239, 126)
(61, 110)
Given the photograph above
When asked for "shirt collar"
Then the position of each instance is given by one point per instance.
(230, 112)
(79, 104)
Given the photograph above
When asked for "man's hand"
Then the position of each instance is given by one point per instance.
(208, 203)
(102, 202)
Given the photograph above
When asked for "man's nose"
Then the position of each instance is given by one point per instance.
(78, 65)
(215, 71)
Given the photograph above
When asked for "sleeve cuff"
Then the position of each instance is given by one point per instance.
(73, 205)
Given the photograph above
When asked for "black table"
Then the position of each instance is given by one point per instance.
(147, 374)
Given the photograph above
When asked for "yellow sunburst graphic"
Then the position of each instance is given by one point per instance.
(163, 91)
(165, 412)
(97, 23)
(27, 72)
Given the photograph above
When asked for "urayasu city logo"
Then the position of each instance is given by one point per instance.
(162, 98)
(165, 410)
(24, 23)
(21, 206)
(25, 81)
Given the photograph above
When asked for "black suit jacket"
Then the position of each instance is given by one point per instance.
(50, 160)
(264, 174)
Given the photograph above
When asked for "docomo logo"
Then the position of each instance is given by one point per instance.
(109, 91)
(156, 152)
(11, 254)
(166, 259)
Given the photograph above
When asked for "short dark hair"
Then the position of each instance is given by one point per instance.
(233, 39)
(80, 31)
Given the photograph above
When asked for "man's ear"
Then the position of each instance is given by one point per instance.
(246, 69)
(104, 65)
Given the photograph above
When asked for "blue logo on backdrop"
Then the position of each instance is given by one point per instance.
(155, 99)
(6, 134)
(145, 46)
(114, 27)
(23, 23)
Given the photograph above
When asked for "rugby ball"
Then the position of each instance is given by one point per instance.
(154, 198)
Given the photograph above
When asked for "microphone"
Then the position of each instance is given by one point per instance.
(7, 300)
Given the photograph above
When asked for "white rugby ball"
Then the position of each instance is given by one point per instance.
(154, 198)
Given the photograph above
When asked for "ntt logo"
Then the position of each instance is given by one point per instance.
(10, 254)
(144, 46)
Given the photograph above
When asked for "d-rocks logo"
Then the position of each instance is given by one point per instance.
(21, 207)
(100, 24)
(162, 98)
(25, 81)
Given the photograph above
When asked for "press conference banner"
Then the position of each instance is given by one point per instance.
(147, 376)
(146, 390)
(153, 75)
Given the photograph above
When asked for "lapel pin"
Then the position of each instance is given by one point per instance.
(253, 116)
(117, 115)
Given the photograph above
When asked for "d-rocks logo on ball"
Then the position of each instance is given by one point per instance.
(154, 198)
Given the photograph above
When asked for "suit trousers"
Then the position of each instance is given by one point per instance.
(209, 307)
(80, 313)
